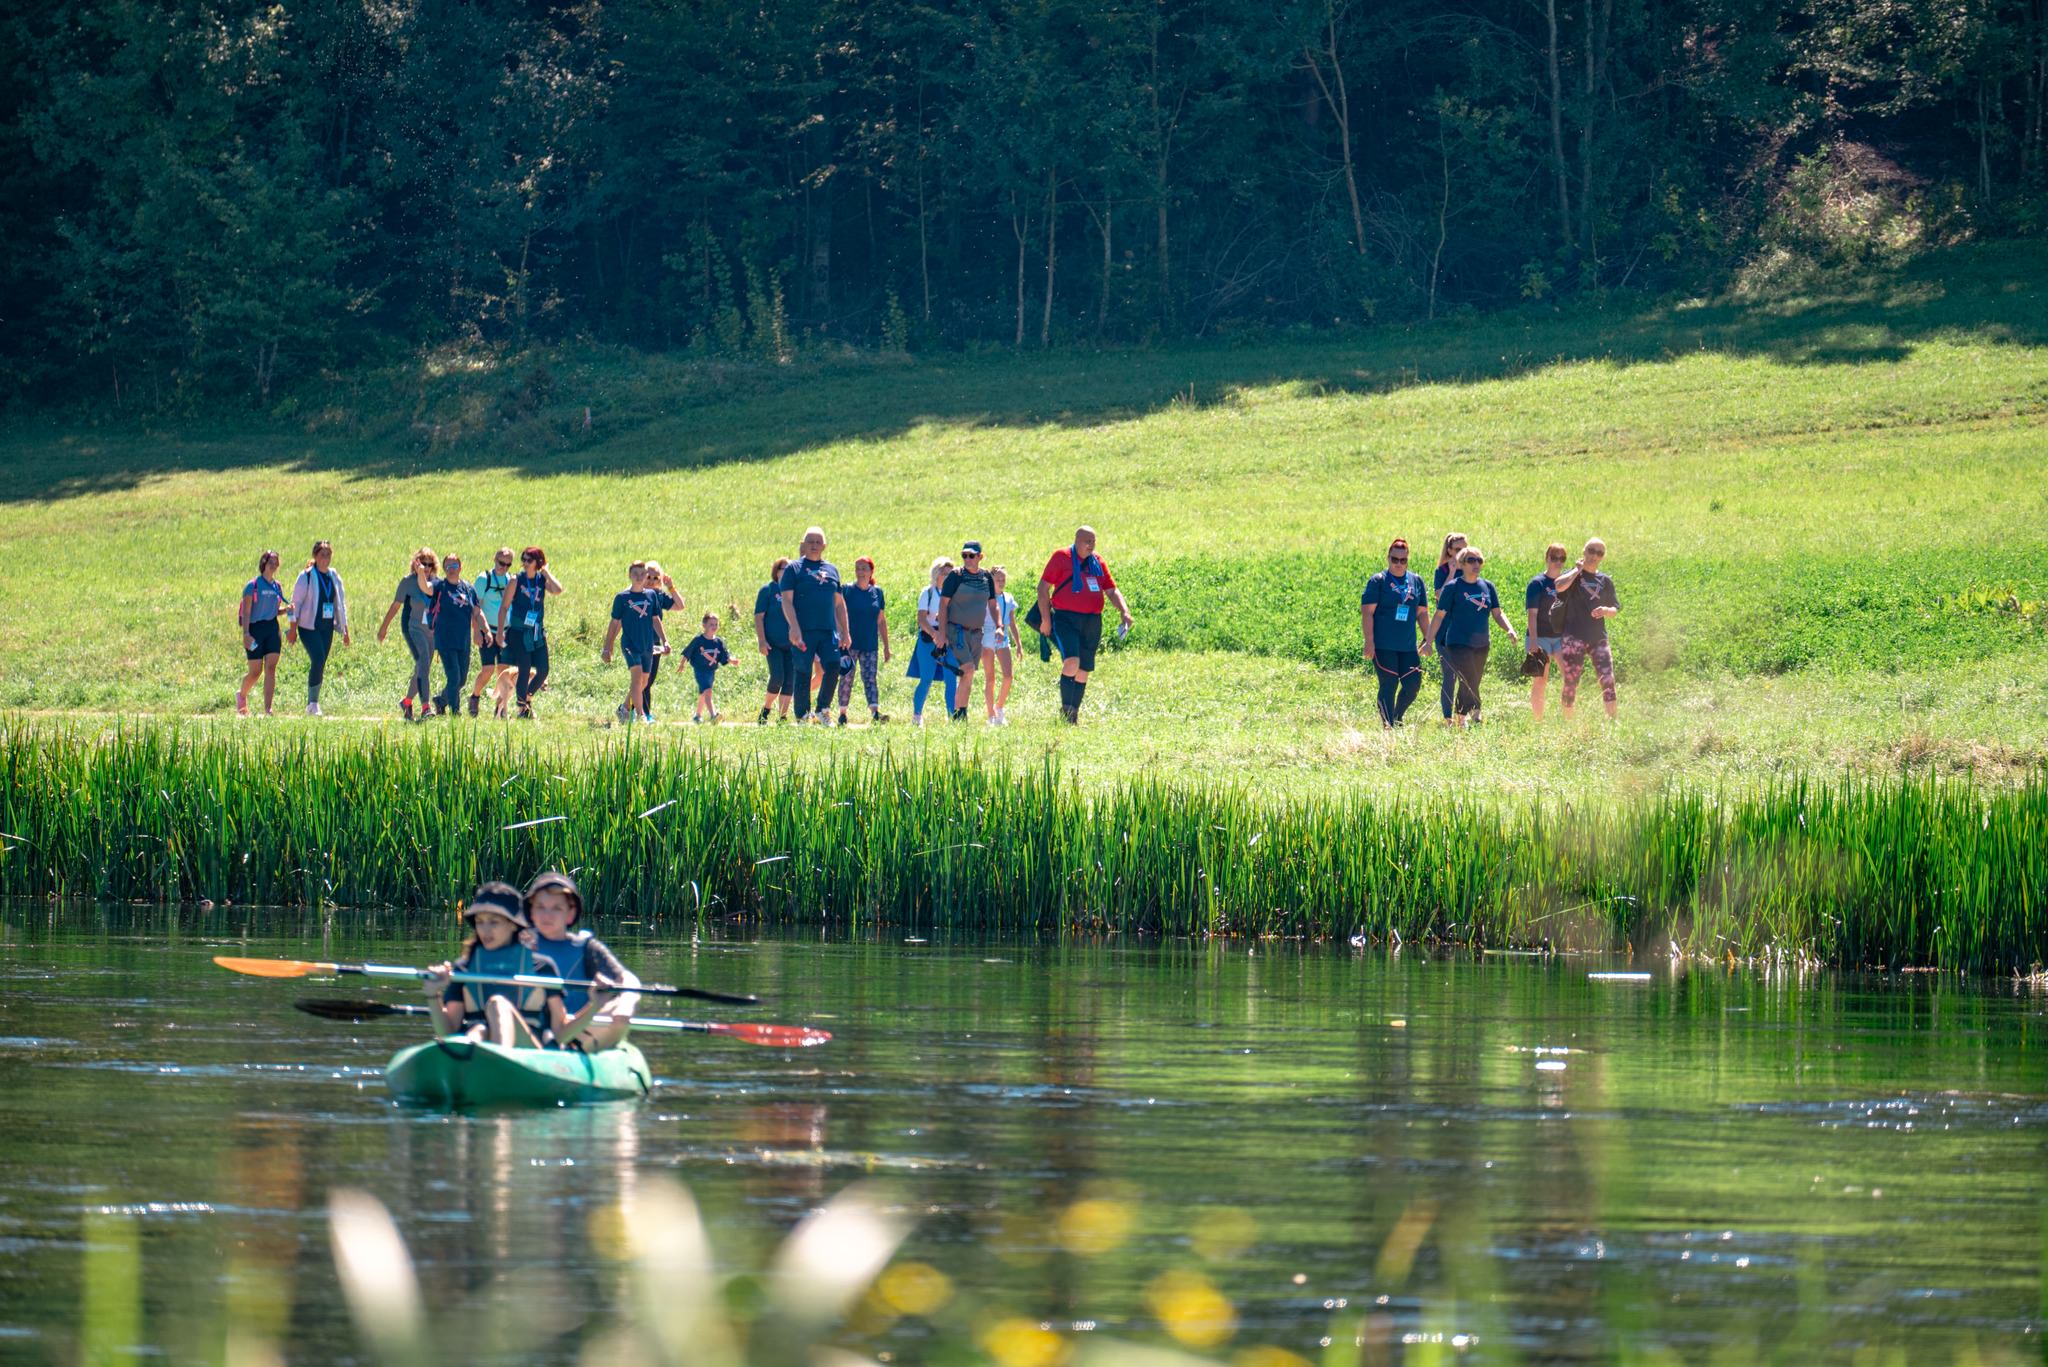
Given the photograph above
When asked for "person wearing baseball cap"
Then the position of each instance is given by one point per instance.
(554, 905)
(963, 608)
(502, 943)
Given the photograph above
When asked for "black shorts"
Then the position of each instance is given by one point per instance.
(264, 634)
(782, 669)
(490, 654)
(1078, 634)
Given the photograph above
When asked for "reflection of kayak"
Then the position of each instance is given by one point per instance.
(460, 1072)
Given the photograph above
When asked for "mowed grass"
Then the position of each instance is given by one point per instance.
(1828, 520)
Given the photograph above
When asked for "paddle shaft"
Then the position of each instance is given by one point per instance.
(264, 968)
(770, 1036)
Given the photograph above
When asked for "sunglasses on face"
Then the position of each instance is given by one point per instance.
(1397, 560)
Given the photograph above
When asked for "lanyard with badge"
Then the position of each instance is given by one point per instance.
(1404, 609)
(326, 597)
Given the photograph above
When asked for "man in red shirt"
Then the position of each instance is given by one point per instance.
(1070, 598)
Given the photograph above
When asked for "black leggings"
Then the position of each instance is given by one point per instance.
(317, 642)
(1464, 667)
(1400, 677)
(531, 662)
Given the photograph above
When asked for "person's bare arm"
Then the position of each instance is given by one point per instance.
(839, 613)
(1116, 596)
(611, 636)
(1505, 625)
(389, 613)
(1045, 607)
(761, 631)
(882, 631)
(1533, 632)
(554, 584)
(1365, 615)
(796, 633)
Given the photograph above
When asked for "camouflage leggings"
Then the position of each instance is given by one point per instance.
(1571, 663)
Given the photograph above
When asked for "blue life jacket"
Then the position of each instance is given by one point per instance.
(574, 963)
(530, 1002)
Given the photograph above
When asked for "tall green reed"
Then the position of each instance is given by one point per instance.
(1851, 871)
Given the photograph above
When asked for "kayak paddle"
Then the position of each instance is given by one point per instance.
(305, 968)
(747, 1032)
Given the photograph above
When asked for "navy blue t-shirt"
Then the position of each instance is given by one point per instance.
(1396, 606)
(863, 606)
(1467, 606)
(1542, 591)
(529, 611)
(633, 610)
(454, 604)
(768, 605)
(814, 589)
(704, 652)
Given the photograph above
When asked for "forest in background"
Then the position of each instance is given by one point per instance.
(209, 201)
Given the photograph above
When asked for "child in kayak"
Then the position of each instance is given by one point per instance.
(501, 941)
(554, 905)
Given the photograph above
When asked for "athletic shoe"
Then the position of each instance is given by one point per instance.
(440, 708)
(620, 713)
(762, 720)
(241, 707)
(526, 712)
(959, 714)
(842, 719)
(405, 706)
(646, 720)
(474, 699)
(917, 720)
(1070, 715)
(312, 709)
(879, 716)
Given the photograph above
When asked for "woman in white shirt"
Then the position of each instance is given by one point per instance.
(998, 632)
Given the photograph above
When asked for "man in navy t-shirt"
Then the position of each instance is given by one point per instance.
(817, 622)
(1543, 644)
(1391, 611)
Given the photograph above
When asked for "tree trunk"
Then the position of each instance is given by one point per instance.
(1443, 213)
(1021, 226)
(1339, 103)
(1595, 73)
(924, 247)
(1564, 202)
(1052, 238)
(1105, 222)
(1983, 144)
(1162, 149)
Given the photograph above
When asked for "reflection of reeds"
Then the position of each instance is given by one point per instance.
(1898, 871)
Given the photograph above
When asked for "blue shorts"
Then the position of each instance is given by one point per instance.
(639, 659)
(1550, 645)
(705, 677)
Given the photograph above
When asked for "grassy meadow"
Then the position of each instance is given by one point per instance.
(1828, 519)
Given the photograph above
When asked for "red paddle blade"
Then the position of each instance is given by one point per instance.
(272, 968)
(774, 1036)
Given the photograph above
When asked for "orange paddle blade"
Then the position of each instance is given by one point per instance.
(273, 968)
(774, 1036)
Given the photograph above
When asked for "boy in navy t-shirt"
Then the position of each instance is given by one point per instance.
(634, 628)
(706, 652)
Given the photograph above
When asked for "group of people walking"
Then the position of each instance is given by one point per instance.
(1566, 624)
(814, 631)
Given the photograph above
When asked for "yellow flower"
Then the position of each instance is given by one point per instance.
(1191, 1309)
(1018, 1342)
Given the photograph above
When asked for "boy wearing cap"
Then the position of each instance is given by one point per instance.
(963, 608)
(554, 905)
(501, 943)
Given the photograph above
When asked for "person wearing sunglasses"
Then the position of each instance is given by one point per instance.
(1589, 600)
(1467, 606)
(524, 612)
(1543, 645)
(964, 597)
(1391, 611)
(490, 589)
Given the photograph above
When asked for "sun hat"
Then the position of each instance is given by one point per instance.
(500, 899)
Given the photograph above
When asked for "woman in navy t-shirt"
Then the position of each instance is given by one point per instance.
(1466, 607)
(1391, 611)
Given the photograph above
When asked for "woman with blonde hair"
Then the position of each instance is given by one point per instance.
(1589, 600)
(928, 662)
(998, 637)
(412, 598)
(1467, 606)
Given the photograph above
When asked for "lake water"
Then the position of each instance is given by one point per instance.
(1498, 1157)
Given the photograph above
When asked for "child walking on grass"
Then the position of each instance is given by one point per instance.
(706, 653)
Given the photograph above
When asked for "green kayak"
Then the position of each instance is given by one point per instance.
(457, 1072)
